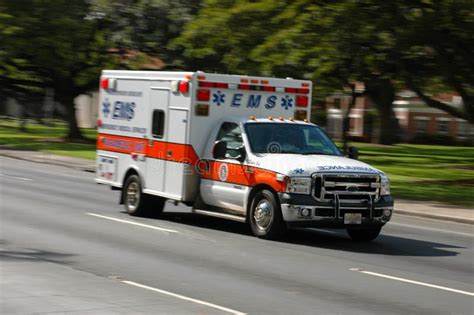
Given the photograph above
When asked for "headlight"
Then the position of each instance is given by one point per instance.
(384, 186)
(299, 185)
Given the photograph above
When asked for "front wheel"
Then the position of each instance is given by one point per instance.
(265, 216)
(364, 235)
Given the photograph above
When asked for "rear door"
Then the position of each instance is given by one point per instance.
(176, 152)
(155, 173)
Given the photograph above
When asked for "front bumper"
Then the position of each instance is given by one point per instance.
(331, 214)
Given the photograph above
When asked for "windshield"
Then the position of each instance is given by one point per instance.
(289, 138)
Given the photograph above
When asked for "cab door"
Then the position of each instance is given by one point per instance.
(227, 184)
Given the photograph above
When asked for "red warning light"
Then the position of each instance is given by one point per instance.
(104, 83)
(184, 86)
(203, 95)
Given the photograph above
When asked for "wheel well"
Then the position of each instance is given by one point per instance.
(255, 190)
(130, 172)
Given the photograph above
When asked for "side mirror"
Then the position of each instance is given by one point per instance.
(219, 150)
(243, 154)
(353, 153)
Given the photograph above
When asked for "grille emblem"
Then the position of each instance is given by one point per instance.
(352, 188)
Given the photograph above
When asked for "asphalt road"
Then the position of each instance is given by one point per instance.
(66, 246)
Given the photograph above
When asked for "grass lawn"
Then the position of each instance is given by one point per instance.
(419, 172)
(46, 139)
(425, 172)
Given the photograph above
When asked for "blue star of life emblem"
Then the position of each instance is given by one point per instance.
(106, 107)
(299, 171)
(218, 98)
(287, 102)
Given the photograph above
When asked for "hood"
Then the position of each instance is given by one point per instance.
(306, 165)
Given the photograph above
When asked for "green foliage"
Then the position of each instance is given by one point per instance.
(147, 26)
(333, 42)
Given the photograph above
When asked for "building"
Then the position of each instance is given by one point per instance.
(416, 119)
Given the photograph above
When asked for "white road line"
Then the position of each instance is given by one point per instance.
(182, 297)
(412, 282)
(133, 223)
(15, 177)
(431, 229)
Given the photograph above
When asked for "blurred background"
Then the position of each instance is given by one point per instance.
(397, 77)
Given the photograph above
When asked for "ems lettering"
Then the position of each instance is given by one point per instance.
(254, 101)
(271, 102)
(236, 100)
(123, 110)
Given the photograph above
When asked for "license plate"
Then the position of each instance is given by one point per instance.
(352, 218)
(106, 167)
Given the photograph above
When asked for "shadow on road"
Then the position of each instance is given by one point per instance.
(327, 239)
(32, 255)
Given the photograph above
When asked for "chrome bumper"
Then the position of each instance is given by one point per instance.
(301, 211)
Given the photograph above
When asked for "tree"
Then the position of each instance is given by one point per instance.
(147, 26)
(385, 44)
(56, 45)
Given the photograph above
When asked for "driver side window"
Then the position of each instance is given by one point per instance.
(231, 133)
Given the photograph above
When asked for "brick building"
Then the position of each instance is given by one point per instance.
(414, 117)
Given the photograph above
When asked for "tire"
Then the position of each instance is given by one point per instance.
(364, 235)
(265, 216)
(137, 203)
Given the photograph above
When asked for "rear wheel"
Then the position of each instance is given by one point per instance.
(137, 203)
(265, 216)
(364, 235)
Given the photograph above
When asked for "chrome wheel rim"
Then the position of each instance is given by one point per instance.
(133, 196)
(263, 215)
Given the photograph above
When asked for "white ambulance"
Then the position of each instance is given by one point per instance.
(234, 147)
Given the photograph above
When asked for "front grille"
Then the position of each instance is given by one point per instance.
(348, 187)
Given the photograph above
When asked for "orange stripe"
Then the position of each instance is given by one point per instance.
(182, 153)
(121, 144)
(237, 175)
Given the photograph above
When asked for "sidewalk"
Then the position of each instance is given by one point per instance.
(433, 210)
(39, 157)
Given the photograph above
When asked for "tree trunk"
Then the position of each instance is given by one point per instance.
(382, 93)
(346, 121)
(74, 133)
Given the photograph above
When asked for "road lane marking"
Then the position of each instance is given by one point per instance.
(133, 223)
(15, 177)
(412, 281)
(182, 297)
(431, 229)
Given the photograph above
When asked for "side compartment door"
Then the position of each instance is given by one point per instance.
(155, 175)
(175, 166)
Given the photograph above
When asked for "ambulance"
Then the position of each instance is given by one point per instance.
(234, 147)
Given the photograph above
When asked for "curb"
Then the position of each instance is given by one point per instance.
(435, 216)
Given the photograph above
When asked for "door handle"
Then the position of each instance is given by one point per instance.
(249, 170)
(169, 153)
